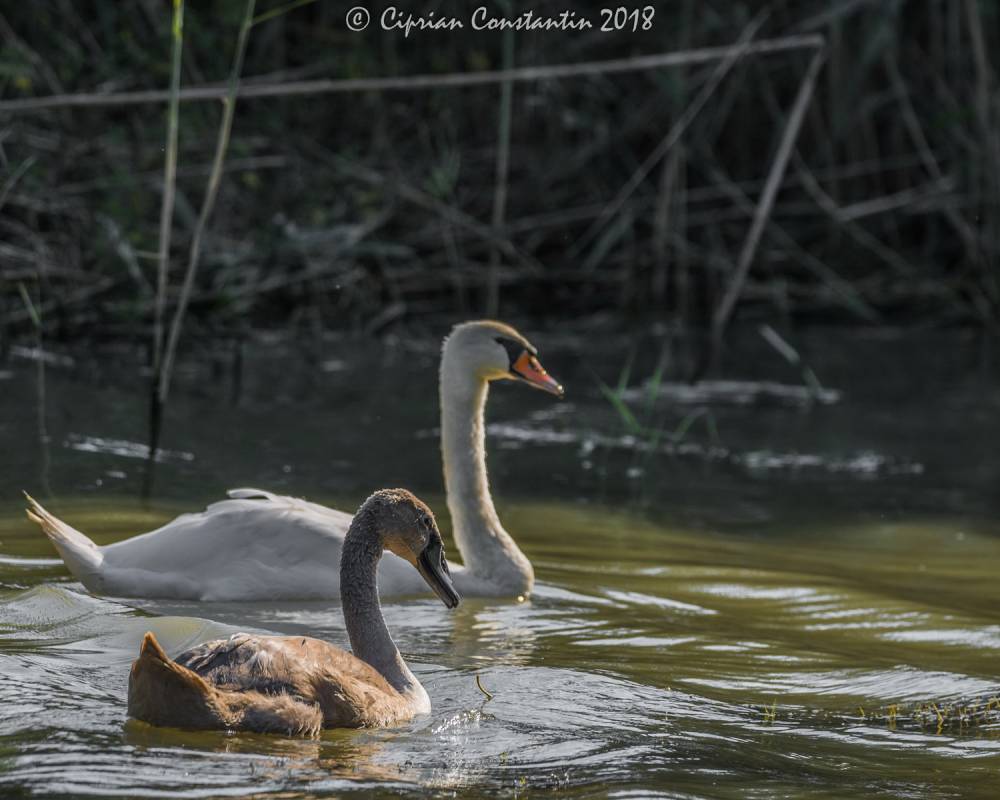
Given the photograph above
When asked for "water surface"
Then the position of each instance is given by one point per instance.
(795, 598)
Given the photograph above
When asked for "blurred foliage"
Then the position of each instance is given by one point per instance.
(337, 207)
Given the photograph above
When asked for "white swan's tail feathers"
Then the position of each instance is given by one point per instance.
(81, 555)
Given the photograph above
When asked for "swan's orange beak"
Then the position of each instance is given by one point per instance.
(528, 369)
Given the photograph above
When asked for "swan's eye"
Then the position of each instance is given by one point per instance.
(513, 349)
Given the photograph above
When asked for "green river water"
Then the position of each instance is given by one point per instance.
(795, 599)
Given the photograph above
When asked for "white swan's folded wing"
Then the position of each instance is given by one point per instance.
(268, 548)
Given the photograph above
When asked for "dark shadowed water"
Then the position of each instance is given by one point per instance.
(754, 590)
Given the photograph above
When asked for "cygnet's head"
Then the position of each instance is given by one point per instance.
(408, 529)
(494, 351)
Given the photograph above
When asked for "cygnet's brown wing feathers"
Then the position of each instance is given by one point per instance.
(162, 692)
(350, 692)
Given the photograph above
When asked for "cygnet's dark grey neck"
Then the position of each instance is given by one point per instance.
(370, 639)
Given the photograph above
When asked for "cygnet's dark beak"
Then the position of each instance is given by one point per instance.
(529, 369)
(433, 566)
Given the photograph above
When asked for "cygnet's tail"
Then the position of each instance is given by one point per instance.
(82, 556)
(162, 692)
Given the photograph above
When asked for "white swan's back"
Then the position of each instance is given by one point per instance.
(255, 545)
(266, 547)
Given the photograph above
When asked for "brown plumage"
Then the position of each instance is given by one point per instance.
(298, 685)
(271, 684)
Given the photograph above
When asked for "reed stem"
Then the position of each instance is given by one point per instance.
(208, 204)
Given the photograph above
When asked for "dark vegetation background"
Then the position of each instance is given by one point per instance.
(358, 211)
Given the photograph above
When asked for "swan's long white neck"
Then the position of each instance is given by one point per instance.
(370, 639)
(490, 555)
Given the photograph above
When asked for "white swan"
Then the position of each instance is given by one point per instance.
(261, 546)
(296, 685)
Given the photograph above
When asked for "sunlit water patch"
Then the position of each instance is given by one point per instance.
(862, 464)
(739, 393)
(121, 447)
